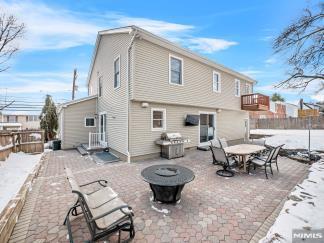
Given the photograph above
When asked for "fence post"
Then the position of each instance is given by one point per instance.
(89, 140)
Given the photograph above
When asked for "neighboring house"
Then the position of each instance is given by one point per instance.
(141, 85)
(19, 121)
(277, 110)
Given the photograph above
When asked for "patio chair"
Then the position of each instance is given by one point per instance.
(265, 161)
(227, 162)
(104, 213)
(223, 142)
(260, 141)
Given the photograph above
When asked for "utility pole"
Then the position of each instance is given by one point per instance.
(74, 87)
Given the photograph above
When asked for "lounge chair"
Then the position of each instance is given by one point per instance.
(103, 211)
(219, 156)
(266, 161)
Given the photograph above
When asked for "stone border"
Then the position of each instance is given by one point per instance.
(264, 228)
(9, 215)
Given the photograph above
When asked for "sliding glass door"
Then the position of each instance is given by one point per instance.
(207, 128)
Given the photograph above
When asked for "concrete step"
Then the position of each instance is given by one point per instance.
(82, 151)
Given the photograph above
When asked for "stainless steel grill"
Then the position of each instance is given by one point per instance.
(172, 145)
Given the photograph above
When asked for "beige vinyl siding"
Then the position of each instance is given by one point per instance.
(113, 101)
(229, 124)
(151, 80)
(74, 131)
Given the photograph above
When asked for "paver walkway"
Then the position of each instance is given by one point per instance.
(212, 208)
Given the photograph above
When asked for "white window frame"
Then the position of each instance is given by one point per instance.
(237, 82)
(163, 128)
(89, 117)
(219, 82)
(118, 84)
(248, 88)
(180, 59)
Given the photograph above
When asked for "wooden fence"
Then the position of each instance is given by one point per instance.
(288, 123)
(28, 141)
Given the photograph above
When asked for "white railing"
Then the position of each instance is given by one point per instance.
(97, 140)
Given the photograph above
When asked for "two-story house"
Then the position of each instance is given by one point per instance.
(19, 121)
(141, 85)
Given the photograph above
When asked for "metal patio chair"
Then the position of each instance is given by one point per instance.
(266, 161)
(104, 212)
(226, 162)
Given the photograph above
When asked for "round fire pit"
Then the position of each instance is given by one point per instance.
(167, 181)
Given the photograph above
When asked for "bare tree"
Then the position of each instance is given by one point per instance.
(10, 31)
(303, 43)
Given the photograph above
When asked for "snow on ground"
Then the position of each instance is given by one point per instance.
(293, 139)
(303, 210)
(13, 172)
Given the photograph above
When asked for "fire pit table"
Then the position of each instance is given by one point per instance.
(167, 181)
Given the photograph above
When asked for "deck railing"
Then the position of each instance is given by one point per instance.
(255, 102)
(97, 140)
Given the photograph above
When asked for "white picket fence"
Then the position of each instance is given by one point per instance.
(97, 140)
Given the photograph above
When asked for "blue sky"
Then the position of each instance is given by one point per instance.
(60, 36)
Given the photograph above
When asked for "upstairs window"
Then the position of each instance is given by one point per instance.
(158, 117)
(89, 122)
(175, 70)
(117, 72)
(100, 87)
(237, 87)
(248, 89)
(216, 82)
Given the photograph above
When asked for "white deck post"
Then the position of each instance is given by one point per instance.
(89, 140)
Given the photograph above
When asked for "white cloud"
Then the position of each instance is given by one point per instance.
(209, 45)
(48, 28)
(41, 82)
(318, 97)
(271, 60)
(267, 38)
(252, 73)
(54, 28)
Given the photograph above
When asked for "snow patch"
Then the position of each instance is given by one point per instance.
(163, 210)
(13, 173)
(304, 208)
(36, 136)
(293, 139)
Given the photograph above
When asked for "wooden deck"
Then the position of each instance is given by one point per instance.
(255, 102)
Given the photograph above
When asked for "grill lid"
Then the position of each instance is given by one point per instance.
(171, 135)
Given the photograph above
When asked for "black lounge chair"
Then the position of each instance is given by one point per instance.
(266, 161)
(103, 211)
(220, 158)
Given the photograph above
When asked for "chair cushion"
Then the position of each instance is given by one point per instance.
(258, 161)
(110, 219)
(100, 197)
(231, 161)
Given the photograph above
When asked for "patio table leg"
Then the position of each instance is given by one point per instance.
(244, 162)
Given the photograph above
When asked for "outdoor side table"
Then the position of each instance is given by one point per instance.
(167, 181)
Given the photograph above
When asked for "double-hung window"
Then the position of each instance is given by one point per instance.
(175, 70)
(89, 122)
(117, 72)
(237, 87)
(216, 82)
(248, 89)
(158, 119)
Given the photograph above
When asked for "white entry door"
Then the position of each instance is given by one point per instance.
(207, 128)
(102, 128)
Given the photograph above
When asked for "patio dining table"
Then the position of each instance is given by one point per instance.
(243, 151)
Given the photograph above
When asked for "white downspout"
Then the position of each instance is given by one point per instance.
(127, 91)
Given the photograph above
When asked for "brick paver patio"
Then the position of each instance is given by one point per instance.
(212, 208)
